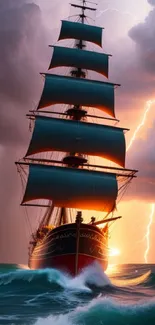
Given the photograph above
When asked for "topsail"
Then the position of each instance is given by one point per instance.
(80, 31)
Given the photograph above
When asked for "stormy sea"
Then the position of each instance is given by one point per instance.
(124, 295)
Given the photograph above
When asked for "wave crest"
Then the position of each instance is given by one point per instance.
(105, 311)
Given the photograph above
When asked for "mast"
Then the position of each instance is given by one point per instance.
(75, 113)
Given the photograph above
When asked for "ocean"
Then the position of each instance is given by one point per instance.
(125, 295)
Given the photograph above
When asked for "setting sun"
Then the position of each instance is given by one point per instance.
(114, 252)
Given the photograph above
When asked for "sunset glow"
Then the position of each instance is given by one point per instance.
(114, 252)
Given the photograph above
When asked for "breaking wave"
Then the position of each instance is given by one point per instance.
(91, 276)
(124, 296)
(105, 311)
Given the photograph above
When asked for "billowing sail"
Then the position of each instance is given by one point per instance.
(72, 188)
(75, 91)
(74, 136)
(80, 31)
(71, 57)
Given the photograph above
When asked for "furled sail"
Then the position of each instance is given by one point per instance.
(72, 188)
(80, 31)
(72, 57)
(75, 91)
(74, 136)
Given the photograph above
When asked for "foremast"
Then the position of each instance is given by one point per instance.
(103, 192)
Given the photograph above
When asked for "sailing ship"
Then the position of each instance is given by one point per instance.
(73, 183)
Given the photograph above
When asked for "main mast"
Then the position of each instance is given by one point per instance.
(76, 112)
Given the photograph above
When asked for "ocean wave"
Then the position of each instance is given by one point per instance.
(92, 275)
(144, 278)
(118, 299)
(104, 311)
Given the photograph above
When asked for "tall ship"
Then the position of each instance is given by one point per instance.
(77, 196)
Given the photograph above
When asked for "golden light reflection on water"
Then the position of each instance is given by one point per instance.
(131, 282)
(112, 269)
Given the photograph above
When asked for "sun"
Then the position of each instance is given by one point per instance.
(114, 252)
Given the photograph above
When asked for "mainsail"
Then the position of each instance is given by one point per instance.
(72, 188)
(73, 182)
(53, 134)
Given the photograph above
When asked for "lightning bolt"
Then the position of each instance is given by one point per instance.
(147, 236)
(101, 12)
(149, 103)
(148, 106)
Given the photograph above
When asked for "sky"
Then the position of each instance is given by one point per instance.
(26, 30)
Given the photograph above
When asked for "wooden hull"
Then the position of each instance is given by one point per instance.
(71, 248)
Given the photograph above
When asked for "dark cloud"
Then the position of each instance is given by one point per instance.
(133, 64)
(143, 150)
(23, 54)
(143, 36)
(142, 157)
(22, 37)
(151, 2)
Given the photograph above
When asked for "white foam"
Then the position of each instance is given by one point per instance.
(56, 320)
(93, 275)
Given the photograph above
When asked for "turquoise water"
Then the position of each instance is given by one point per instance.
(124, 296)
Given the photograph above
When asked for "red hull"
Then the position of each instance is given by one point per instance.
(67, 263)
(62, 249)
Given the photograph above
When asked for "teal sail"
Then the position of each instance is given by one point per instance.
(54, 134)
(76, 91)
(72, 57)
(72, 188)
(80, 31)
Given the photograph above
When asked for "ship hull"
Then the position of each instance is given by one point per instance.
(71, 248)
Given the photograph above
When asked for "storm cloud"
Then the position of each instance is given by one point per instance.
(143, 35)
(151, 2)
(143, 159)
(142, 155)
(22, 55)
